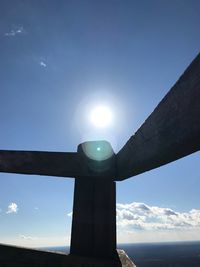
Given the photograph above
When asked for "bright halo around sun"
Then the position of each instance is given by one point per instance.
(101, 116)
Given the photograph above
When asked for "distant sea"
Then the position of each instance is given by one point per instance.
(173, 254)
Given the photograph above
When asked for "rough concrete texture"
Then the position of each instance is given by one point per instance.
(11, 256)
(124, 258)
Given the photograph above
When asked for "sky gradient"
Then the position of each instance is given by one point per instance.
(58, 60)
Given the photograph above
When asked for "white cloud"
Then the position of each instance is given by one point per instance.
(43, 64)
(141, 216)
(12, 208)
(15, 31)
(139, 222)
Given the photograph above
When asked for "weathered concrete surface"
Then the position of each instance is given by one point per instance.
(124, 258)
(172, 131)
(11, 256)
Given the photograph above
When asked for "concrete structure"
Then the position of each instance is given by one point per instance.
(172, 131)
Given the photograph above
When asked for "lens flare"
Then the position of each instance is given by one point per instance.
(97, 150)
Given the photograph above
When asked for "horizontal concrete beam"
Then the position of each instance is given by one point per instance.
(39, 162)
(53, 164)
(171, 132)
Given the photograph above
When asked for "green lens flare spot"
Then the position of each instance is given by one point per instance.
(97, 150)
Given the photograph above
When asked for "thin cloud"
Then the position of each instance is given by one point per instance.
(12, 208)
(15, 31)
(11, 33)
(70, 214)
(25, 237)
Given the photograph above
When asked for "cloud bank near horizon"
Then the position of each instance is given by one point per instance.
(140, 216)
(139, 222)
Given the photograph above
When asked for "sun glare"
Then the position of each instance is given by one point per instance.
(101, 116)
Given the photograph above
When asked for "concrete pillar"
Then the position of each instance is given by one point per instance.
(94, 219)
(94, 215)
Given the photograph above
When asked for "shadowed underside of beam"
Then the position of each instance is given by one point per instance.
(42, 163)
(171, 132)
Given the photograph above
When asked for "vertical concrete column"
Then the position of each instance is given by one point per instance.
(94, 217)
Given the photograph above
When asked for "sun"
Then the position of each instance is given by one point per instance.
(101, 116)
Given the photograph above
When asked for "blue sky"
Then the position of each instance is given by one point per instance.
(59, 59)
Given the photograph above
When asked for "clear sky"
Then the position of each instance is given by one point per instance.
(58, 60)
